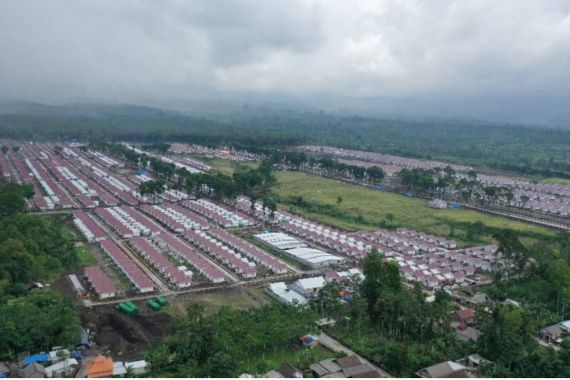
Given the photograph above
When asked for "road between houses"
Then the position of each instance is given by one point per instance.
(335, 346)
(253, 283)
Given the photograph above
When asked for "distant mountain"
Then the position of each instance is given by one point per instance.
(503, 111)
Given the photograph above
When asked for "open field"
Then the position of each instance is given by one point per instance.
(558, 181)
(238, 298)
(84, 256)
(374, 206)
(225, 166)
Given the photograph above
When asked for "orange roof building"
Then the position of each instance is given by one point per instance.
(100, 366)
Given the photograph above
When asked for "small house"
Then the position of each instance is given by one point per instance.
(466, 316)
(290, 371)
(100, 366)
(444, 370)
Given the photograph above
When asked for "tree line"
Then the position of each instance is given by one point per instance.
(532, 151)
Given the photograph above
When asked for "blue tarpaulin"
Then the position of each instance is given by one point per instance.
(37, 358)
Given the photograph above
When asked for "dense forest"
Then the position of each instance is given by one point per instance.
(527, 150)
(32, 249)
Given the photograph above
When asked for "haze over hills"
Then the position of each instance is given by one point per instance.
(517, 111)
(500, 62)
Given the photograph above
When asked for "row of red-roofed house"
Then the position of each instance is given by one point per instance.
(258, 255)
(81, 168)
(183, 252)
(158, 261)
(5, 168)
(136, 276)
(74, 182)
(444, 268)
(421, 236)
(175, 217)
(218, 213)
(243, 204)
(127, 222)
(89, 229)
(23, 171)
(126, 192)
(401, 243)
(55, 196)
(329, 238)
(100, 282)
(222, 253)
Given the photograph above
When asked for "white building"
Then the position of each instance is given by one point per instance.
(308, 287)
(283, 294)
(62, 368)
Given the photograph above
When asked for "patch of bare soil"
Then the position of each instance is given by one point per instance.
(125, 336)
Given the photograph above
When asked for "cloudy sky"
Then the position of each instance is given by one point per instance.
(52, 50)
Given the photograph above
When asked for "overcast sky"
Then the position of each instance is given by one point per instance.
(51, 50)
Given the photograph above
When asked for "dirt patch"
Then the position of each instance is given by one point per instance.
(239, 298)
(126, 337)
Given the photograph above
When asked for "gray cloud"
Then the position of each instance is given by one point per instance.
(52, 50)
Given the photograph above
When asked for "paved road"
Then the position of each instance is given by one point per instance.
(335, 346)
(213, 288)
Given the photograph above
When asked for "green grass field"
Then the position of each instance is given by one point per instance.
(375, 205)
(558, 181)
(225, 166)
(84, 256)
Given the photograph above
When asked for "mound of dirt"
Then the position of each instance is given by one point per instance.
(126, 336)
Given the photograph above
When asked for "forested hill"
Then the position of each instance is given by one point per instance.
(534, 151)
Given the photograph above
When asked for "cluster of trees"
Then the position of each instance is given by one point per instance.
(509, 340)
(536, 274)
(326, 166)
(36, 322)
(13, 197)
(384, 317)
(32, 248)
(255, 183)
(419, 180)
(224, 343)
(152, 188)
(165, 169)
(443, 182)
(122, 151)
(156, 147)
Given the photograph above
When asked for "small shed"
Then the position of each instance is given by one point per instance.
(348, 361)
(62, 368)
(290, 371)
(36, 358)
(138, 367)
